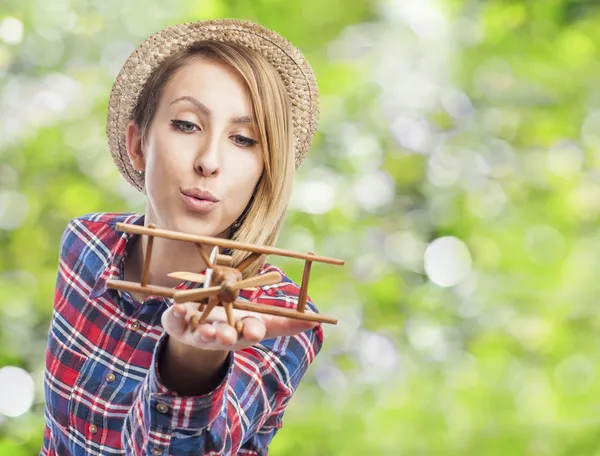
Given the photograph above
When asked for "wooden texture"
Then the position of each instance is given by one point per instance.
(303, 295)
(224, 295)
(148, 258)
(240, 305)
(224, 260)
(208, 309)
(256, 281)
(187, 276)
(229, 311)
(248, 261)
(226, 243)
(239, 327)
(196, 294)
(204, 256)
(270, 278)
(194, 277)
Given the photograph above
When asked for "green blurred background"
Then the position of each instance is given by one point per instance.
(455, 170)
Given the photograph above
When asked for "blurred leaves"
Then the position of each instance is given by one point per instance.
(477, 120)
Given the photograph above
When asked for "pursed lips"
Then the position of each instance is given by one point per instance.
(200, 201)
(200, 194)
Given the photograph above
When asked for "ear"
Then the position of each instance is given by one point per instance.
(134, 146)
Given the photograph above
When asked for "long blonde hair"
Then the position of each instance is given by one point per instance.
(263, 218)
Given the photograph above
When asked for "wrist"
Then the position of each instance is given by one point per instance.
(191, 371)
(194, 357)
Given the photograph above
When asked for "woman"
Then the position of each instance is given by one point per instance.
(208, 119)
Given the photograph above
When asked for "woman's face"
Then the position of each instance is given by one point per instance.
(201, 156)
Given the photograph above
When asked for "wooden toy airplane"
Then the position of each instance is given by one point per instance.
(222, 282)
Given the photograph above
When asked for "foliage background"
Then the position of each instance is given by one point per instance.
(455, 170)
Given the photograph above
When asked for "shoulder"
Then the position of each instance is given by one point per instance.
(308, 343)
(286, 292)
(94, 232)
(108, 219)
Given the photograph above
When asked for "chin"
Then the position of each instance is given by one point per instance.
(194, 225)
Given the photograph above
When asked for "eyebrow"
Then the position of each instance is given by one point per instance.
(202, 108)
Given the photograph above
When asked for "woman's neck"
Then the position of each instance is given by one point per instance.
(167, 256)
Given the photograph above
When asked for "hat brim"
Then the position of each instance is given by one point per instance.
(296, 73)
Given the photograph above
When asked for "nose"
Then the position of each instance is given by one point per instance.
(207, 161)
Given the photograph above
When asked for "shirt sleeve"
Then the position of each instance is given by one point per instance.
(45, 450)
(240, 416)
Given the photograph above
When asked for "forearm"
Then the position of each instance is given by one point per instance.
(243, 411)
(191, 371)
(216, 402)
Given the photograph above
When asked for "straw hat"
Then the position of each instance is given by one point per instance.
(291, 65)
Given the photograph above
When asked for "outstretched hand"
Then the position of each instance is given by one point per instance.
(217, 334)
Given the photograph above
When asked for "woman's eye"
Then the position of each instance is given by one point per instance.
(244, 141)
(184, 126)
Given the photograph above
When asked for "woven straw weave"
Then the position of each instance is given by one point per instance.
(294, 70)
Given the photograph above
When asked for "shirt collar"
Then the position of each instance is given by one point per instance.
(113, 269)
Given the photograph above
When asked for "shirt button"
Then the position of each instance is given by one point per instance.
(162, 408)
(93, 428)
(110, 378)
(135, 326)
(156, 451)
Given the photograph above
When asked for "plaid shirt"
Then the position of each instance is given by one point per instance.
(103, 392)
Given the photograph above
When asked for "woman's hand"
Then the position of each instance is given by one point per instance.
(193, 361)
(216, 334)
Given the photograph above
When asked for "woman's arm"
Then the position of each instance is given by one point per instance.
(212, 400)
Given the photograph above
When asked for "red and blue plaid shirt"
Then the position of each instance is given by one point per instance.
(103, 392)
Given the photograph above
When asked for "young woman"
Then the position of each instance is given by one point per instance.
(209, 120)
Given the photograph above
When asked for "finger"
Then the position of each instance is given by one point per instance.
(225, 334)
(283, 326)
(179, 311)
(173, 320)
(198, 339)
(254, 330)
(207, 332)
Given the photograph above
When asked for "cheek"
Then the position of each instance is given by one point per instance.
(163, 155)
(160, 171)
(167, 159)
(246, 172)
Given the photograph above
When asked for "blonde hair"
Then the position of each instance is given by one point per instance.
(263, 218)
